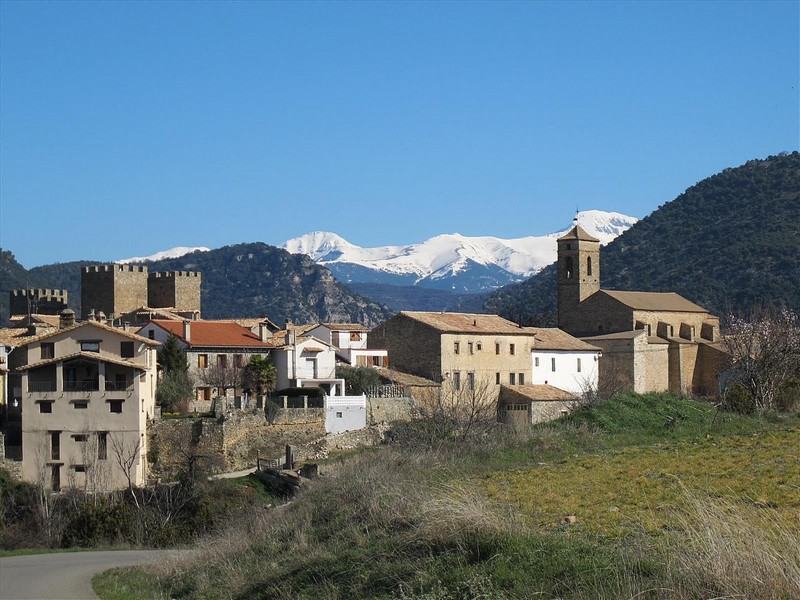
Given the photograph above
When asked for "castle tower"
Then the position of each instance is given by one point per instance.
(37, 301)
(174, 289)
(113, 289)
(578, 273)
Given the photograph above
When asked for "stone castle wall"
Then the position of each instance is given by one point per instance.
(113, 289)
(176, 289)
(37, 301)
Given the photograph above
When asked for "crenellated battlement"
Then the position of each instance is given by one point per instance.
(42, 301)
(115, 267)
(173, 274)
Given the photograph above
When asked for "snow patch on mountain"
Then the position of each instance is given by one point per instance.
(449, 255)
(176, 252)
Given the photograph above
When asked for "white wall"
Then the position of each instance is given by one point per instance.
(566, 375)
(345, 413)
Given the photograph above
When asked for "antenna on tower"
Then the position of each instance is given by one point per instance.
(575, 218)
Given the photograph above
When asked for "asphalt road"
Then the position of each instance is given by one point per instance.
(63, 575)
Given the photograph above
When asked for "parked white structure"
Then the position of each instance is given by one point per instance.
(345, 413)
(87, 393)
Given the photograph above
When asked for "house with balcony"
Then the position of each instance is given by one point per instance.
(87, 393)
(349, 341)
(305, 361)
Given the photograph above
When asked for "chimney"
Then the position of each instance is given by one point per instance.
(126, 326)
(187, 331)
(66, 318)
(289, 333)
(263, 332)
(100, 316)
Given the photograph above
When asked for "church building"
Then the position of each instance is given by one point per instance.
(651, 341)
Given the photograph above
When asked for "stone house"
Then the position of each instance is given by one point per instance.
(651, 341)
(87, 393)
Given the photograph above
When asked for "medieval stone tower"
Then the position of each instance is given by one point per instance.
(174, 289)
(578, 272)
(113, 289)
(37, 301)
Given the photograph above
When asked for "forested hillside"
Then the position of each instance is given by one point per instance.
(727, 243)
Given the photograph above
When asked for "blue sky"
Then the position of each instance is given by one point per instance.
(129, 128)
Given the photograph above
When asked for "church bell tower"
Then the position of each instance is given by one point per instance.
(578, 274)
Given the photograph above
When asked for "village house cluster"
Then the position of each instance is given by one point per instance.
(77, 395)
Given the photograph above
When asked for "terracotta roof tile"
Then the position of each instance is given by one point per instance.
(213, 333)
(578, 233)
(345, 326)
(534, 393)
(467, 323)
(89, 355)
(655, 301)
(552, 338)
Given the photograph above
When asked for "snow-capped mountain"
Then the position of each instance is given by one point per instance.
(450, 261)
(176, 252)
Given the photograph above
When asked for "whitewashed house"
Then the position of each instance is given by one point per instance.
(563, 361)
(350, 342)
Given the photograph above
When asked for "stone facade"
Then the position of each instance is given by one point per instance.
(37, 301)
(176, 289)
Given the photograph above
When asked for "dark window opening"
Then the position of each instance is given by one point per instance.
(126, 349)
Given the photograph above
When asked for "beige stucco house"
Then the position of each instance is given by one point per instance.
(87, 391)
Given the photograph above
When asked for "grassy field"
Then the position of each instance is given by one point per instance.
(649, 496)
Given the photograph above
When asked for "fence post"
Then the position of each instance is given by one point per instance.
(289, 457)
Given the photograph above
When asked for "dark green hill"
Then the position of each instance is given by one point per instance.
(727, 243)
(245, 280)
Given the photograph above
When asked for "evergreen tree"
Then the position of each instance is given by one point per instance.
(259, 374)
(171, 357)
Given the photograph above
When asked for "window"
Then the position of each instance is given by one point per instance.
(48, 350)
(79, 468)
(151, 334)
(456, 347)
(479, 346)
(457, 380)
(553, 364)
(355, 336)
(45, 407)
(238, 361)
(497, 378)
(470, 381)
(589, 265)
(579, 365)
(522, 378)
(511, 349)
(115, 406)
(55, 445)
(126, 349)
(497, 348)
(338, 415)
(568, 269)
(202, 361)
(535, 361)
(80, 437)
(92, 346)
(222, 360)
(102, 445)
(512, 378)
(80, 405)
(471, 348)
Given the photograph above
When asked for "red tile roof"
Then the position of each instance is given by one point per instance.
(213, 333)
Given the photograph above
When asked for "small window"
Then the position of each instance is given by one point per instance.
(470, 381)
(589, 265)
(81, 405)
(92, 346)
(511, 349)
(126, 349)
(579, 365)
(512, 378)
(45, 407)
(457, 380)
(497, 348)
(338, 415)
(202, 361)
(79, 468)
(48, 350)
(456, 347)
(151, 334)
(355, 336)
(80, 437)
(471, 348)
(222, 360)
(238, 361)
(115, 406)
(102, 445)
(479, 346)
(535, 361)
(522, 378)
(553, 364)
(497, 378)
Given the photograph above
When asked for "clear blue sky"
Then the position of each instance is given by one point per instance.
(131, 127)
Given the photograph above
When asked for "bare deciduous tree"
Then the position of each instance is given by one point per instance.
(127, 455)
(460, 410)
(764, 352)
(224, 377)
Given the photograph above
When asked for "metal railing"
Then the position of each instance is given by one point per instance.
(119, 386)
(82, 385)
(41, 386)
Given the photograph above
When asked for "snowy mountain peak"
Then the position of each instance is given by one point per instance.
(452, 255)
(176, 252)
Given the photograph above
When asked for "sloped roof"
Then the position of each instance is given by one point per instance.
(250, 322)
(345, 326)
(534, 393)
(405, 379)
(16, 336)
(655, 301)
(446, 322)
(552, 338)
(213, 333)
(578, 233)
(98, 325)
(98, 356)
(629, 335)
(23, 320)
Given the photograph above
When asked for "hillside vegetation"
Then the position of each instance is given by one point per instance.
(651, 496)
(728, 243)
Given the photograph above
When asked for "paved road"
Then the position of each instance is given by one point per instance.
(64, 575)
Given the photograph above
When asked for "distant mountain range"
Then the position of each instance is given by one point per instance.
(728, 243)
(450, 262)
